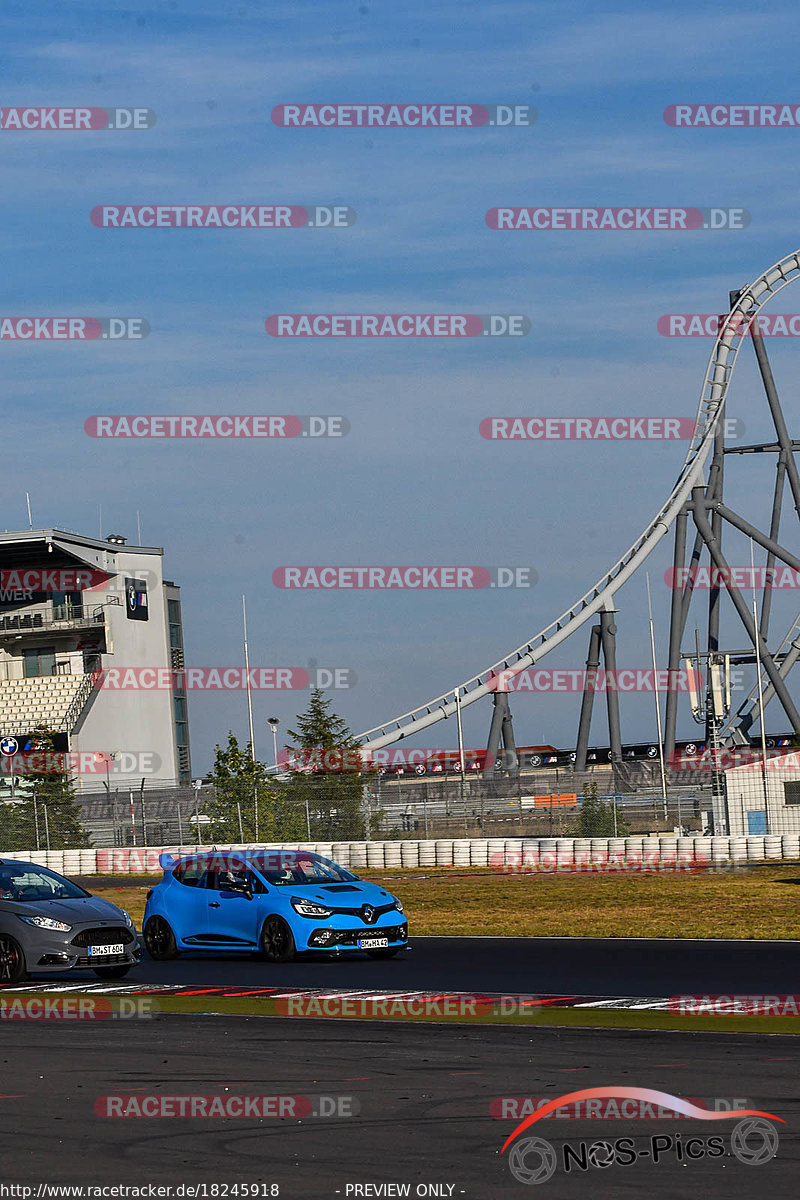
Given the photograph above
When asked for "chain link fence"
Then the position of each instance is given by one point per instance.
(546, 803)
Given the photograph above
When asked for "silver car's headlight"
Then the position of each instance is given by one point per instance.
(307, 908)
(128, 918)
(45, 923)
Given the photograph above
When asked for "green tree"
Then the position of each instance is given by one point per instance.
(44, 811)
(597, 816)
(17, 824)
(328, 781)
(241, 785)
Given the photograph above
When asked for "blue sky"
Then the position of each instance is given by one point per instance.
(413, 482)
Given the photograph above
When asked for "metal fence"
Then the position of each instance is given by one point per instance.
(392, 809)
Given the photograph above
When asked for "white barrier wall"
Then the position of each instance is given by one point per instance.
(503, 854)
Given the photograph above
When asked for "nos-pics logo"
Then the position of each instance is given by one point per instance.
(754, 1139)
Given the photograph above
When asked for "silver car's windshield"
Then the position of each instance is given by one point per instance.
(24, 882)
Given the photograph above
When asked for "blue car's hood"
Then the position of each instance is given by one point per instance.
(343, 895)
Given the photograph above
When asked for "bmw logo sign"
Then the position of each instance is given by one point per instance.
(9, 745)
(131, 596)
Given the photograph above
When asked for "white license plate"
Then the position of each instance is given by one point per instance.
(372, 943)
(103, 951)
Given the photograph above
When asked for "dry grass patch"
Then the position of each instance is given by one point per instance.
(760, 902)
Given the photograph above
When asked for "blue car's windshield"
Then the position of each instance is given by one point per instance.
(23, 882)
(303, 870)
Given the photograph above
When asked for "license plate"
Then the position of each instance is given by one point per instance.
(104, 951)
(372, 943)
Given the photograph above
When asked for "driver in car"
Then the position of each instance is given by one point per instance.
(234, 881)
(9, 887)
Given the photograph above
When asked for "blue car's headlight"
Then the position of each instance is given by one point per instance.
(398, 903)
(45, 923)
(307, 908)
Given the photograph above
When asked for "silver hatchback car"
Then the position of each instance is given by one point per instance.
(48, 923)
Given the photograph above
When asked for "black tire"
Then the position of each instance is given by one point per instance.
(277, 942)
(159, 940)
(12, 961)
(384, 953)
(112, 972)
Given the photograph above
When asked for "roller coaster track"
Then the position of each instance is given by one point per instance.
(719, 371)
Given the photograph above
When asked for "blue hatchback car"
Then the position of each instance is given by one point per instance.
(281, 902)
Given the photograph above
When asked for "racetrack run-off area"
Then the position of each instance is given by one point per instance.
(423, 1098)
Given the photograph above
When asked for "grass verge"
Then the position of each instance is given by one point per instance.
(758, 902)
(257, 1006)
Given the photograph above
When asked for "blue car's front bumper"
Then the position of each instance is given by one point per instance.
(330, 937)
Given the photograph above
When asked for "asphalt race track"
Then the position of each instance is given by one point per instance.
(414, 1099)
(543, 966)
(422, 1103)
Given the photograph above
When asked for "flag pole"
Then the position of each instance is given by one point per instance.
(658, 701)
(250, 714)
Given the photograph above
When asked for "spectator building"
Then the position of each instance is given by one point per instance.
(72, 608)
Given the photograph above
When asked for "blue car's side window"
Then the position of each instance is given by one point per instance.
(237, 880)
(189, 874)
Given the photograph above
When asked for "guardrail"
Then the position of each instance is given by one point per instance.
(503, 854)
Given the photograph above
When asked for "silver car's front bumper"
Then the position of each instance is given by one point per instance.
(48, 950)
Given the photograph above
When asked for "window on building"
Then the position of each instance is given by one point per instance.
(791, 792)
(67, 605)
(174, 619)
(40, 660)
